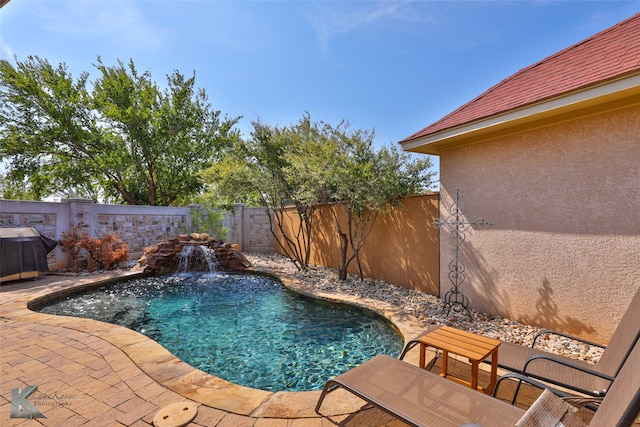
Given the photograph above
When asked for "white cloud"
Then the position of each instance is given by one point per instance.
(115, 20)
(333, 18)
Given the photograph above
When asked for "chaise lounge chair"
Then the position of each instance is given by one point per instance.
(584, 377)
(423, 399)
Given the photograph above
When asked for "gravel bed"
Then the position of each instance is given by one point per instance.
(426, 308)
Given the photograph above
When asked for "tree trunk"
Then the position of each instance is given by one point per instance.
(344, 245)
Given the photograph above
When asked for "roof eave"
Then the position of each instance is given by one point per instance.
(612, 95)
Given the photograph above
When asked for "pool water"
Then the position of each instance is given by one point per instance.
(246, 329)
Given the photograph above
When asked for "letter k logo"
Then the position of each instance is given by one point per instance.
(20, 406)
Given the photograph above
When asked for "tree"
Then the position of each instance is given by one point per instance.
(9, 190)
(126, 139)
(206, 217)
(280, 168)
(310, 163)
(368, 183)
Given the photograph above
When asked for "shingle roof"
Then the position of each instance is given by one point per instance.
(604, 56)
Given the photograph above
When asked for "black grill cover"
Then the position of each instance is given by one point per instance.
(23, 249)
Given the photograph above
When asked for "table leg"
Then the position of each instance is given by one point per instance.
(445, 363)
(474, 374)
(494, 370)
(422, 362)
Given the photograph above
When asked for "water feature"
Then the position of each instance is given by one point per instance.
(197, 258)
(247, 329)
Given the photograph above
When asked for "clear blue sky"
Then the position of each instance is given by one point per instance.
(395, 66)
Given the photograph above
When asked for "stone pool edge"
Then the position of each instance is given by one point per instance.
(171, 372)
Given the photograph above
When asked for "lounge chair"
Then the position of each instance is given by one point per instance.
(581, 376)
(421, 398)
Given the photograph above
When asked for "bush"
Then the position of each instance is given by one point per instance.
(206, 219)
(94, 253)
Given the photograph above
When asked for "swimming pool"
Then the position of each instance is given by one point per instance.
(246, 329)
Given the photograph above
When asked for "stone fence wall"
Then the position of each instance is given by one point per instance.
(250, 228)
(138, 226)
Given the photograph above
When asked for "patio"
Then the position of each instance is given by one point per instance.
(90, 372)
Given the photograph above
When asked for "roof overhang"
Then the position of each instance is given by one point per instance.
(609, 96)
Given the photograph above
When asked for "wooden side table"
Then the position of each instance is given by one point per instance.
(472, 346)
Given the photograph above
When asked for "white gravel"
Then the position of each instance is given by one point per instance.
(426, 308)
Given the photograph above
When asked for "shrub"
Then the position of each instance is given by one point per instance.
(94, 253)
(207, 219)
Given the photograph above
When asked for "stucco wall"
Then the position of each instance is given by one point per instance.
(402, 248)
(564, 250)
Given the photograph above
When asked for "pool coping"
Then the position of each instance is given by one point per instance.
(176, 375)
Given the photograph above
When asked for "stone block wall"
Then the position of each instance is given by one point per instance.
(137, 226)
(140, 230)
(249, 227)
(46, 218)
(43, 222)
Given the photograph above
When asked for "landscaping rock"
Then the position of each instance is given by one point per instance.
(165, 257)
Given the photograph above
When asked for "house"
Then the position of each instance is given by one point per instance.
(550, 155)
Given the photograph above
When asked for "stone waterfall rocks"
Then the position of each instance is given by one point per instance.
(164, 258)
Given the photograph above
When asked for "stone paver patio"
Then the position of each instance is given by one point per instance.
(92, 373)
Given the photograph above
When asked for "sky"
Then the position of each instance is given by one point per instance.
(389, 66)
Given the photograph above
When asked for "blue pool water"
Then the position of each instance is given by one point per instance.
(246, 329)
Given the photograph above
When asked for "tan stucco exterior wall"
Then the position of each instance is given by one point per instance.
(402, 248)
(564, 250)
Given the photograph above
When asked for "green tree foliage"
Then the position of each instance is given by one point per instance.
(208, 219)
(368, 182)
(11, 191)
(124, 140)
(278, 168)
(310, 163)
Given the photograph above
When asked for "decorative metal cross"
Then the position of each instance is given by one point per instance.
(457, 227)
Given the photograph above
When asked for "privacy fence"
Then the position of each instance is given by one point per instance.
(402, 248)
(138, 226)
